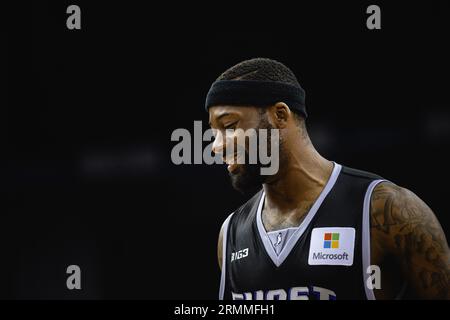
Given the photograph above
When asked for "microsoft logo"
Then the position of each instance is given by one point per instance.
(332, 246)
(331, 240)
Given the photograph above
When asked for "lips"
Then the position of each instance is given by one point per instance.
(232, 167)
(232, 163)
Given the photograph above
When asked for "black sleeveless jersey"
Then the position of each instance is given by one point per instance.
(326, 257)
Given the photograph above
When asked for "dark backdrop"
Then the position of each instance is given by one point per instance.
(89, 116)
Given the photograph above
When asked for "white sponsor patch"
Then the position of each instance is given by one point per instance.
(332, 246)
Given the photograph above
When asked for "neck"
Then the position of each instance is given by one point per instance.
(300, 181)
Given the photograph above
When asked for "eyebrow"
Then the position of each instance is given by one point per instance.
(221, 116)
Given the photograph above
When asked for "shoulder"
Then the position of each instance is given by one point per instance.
(405, 226)
(392, 205)
(394, 208)
(404, 223)
(241, 213)
(245, 213)
(356, 173)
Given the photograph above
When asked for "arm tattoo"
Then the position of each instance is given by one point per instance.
(406, 226)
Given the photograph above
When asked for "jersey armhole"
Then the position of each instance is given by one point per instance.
(224, 255)
(366, 237)
(366, 243)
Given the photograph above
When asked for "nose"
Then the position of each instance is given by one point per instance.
(219, 143)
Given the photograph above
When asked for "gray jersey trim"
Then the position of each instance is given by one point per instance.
(366, 237)
(224, 256)
(279, 259)
(366, 243)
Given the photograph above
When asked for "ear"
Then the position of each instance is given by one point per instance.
(280, 114)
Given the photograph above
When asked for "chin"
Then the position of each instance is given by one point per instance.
(247, 179)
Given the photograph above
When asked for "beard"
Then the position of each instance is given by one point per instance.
(247, 179)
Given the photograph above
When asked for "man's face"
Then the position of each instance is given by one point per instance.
(230, 124)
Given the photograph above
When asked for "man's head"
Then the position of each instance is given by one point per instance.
(284, 113)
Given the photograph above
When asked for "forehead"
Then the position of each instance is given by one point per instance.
(217, 112)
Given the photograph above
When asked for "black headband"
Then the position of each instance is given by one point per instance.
(255, 93)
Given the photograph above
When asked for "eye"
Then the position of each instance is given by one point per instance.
(231, 125)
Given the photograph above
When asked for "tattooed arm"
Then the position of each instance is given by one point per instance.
(404, 227)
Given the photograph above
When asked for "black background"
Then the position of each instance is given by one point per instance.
(89, 116)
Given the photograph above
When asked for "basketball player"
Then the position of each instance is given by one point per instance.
(316, 229)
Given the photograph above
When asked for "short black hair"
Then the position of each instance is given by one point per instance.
(260, 69)
(263, 69)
